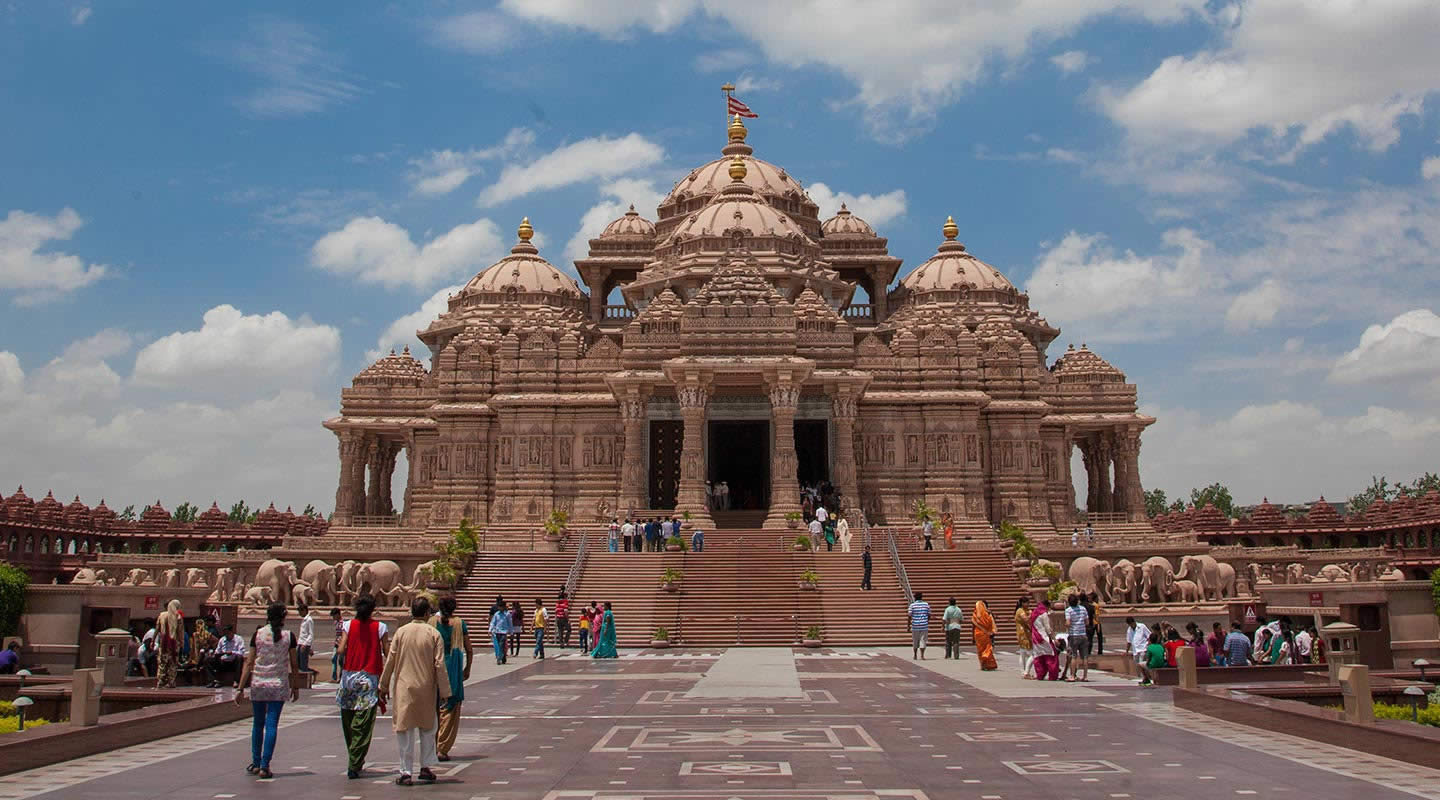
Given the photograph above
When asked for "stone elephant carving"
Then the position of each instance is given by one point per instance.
(421, 576)
(1204, 571)
(1188, 591)
(1227, 580)
(1157, 579)
(258, 596)
(279, 576)
(197, 576)
(323, 580)
(170, 578)
(303, 593)
(1122, 581)
(1295, 573)
(226, 579)
(1331, 573)
(1089, 574)
(345, 580)
(377, 578)
(85, 576)
(399, 596)
(137, 577)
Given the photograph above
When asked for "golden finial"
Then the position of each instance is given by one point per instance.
(951, 230)
(737, 130)
(737, 169)
(525, 231)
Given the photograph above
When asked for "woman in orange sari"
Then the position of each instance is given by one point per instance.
(949, 522)
(984, 635)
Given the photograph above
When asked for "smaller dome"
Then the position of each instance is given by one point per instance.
(155, 516)
(49, 510)
(391, 370)
(951, 268)
(524, 270)
(846, 224)
(632, 224)
(77, 514)
(213, 518)
(102, 515)
(1084, 366)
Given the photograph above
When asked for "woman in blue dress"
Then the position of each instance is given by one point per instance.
(605, 642)
(459, 653)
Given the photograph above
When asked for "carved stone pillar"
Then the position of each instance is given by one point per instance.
(1120, 492)
(409, 474)
(1068, 456)
(345, 492)
(388, 453)
(784, 485)
(694, 398)
(1088, 457)
(597, 301)
(632, 463)
(1104, 498)
(843, 413)
(372, 462)
(1134, 492)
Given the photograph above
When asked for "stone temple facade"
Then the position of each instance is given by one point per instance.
(742, 352)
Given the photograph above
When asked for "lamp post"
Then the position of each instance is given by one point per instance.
(1420, 664)
(21, 703)
(1414, 693)
(22, 675)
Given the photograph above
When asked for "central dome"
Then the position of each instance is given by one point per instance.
(952, 268)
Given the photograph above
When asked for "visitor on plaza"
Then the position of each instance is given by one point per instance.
(954, 620)
(335, 663)
(927, 529)
(917, 619)
(638, 535)
(562, 619)
(135, 656)
(542, 617)
(1196, 640)
(1074, 537)
(1173, 642)
(1215, 642)
(272, 675)
(169, 635)
(614, 538)
(697, 541)
(363, 642)
(1022, 635)
(1089, 534)
(667, 529)
(517, 630)
(459, 654)
(228, 657)
(10, 659)
(983, 624)
(723, 492)
(201, 644)
(1077, 621)
(605, 639)
(306, 639)
(1096, 631)
(1302, 646)
(415, 676)
(1154, 659)
(1042, 643)
(867, 563)
(147, 647)
(1317, 645)
(842, 532)
(817, 532)
(500, 629)
(626, 531)
(1237, 647)
(584, 625)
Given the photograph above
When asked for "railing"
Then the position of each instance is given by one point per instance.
(572, 580)
(374, 521)
(618, 312)
(865, 529)
(1106, 517)
(860, 311)
(900, 575)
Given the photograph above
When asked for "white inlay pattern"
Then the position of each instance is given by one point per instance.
(733, 769)
(635, 738)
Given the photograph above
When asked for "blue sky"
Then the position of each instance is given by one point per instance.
(212, 216)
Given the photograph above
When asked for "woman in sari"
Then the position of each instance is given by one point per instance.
(984, 626)
(1022, 634)
(605, 641)
(169, 634)
(949, 523)
(459, 653)
(1042, 644)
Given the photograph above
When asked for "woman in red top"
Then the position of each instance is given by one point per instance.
(1172, 643)
(362, 647)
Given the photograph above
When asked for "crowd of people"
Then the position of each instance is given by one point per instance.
(649, 534)
(596, 627)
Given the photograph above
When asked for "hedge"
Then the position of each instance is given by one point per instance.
(13, 581)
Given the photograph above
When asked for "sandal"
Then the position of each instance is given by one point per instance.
(443, 758)
(426, 776)
(265, 774)
(404, 780)
(251, 769)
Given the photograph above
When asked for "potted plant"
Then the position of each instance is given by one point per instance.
(670, 579)
(1044, 574)
(675, 544)
(453, 556)
(802, 543)
(555, 530)
(809, 580)
(813, 636)
(661, 639)
(792, 519)
(1022, 550)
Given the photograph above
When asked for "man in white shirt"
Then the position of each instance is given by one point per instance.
(667, 529)
(928, 529)
(229, 655)
(1137, 639)
(626, 532)
(821, 514)
(817, 532)
(305, 643)
(725, 495)
(1302, 647)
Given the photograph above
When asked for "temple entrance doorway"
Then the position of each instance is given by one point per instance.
(739, 455)
(812, 452)
(667, 437)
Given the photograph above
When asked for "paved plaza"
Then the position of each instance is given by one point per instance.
(763, 724)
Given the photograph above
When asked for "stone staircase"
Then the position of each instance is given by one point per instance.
(738, 520)
(631, 582)
(967, 575)
(519, 576)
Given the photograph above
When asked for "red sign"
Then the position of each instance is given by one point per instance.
(1317, 599)
(152, 602)
(1250, 617)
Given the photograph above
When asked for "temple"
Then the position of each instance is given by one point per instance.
(754, 344)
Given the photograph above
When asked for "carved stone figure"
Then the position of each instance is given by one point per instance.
(377, 577)
(1187, 591)
(1157, 579)
(85, 576)
(1204, 571)
(1123, 584)
(197, 576)
(137, 577)
(1295, 573)
(279, 576)
(225, 580)
(302, 593)
(1089, 574)
(345, 581)
(398, 597)
(321, 578)
(258, 596)
(1331, 573)
(170, 578)
(1227, 581)
(421, 576)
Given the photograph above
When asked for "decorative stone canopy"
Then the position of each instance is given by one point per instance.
(393, 370)
(1084, 366)
(953, 268)
(740, 210)
(522, 271)
(846, 224)
(630, 225)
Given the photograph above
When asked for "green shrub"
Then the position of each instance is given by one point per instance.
(671, 575)
(1428, 716)
(12, 724)
(662, 634)
(802, 542)
(7, 709)
(814, 632)
(1051, 571)
(810, 576)
(1059, 590)
(1435, 589)
(678, 541)
(13, 581)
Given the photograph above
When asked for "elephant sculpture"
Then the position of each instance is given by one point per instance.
(137, 577)
(1295, 573)
(322, 579)
(197, 577)
(85, 576)
(1157, 579)
(377, 578)
(1188, 591)
(1089, 574)
(421, 576)
(225, 580)
(258, 595)
(345, 581)
(1331, 573)
(399, 597)
(279, 576)
(1226, 573)
(1122, 581)
(303, 593)
(1204, 571)
(170, 578)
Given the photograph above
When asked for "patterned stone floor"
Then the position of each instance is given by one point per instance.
(868, 726)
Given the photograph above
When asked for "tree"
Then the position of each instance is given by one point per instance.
(1177, 506)
(1215, 494)
(1379, 489)
(186, 512)
(128, 515)
(1155, 502)
(13, 582)
(310, 511)
(240, 513)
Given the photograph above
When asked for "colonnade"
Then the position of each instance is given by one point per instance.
(367, 472)
(1118, 451)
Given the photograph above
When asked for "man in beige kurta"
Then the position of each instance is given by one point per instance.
(415, 682)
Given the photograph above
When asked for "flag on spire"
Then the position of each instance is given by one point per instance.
(737, 107)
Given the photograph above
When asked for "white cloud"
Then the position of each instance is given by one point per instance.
(375, 251)
(443, 171)
(751, 83)
(876, 209)
(401, 332)
(617, 196)
(1430, 168)
(476, 32)
(1297, 67)
(1256, 307)
(232, 348)
(1072, 61)
(723, 60)
(1286, 451)
(80, 15)
(607, 17)
(585, 160)
(1405, 348)
(297, 74)
(38, 275)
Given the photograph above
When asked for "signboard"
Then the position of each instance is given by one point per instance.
(1250, 616)
(152, 602)
(1317, 599)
